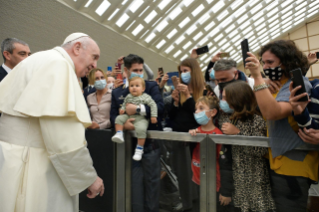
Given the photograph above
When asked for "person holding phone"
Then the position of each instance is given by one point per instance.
(291, 171)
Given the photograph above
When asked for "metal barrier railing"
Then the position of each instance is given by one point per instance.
(207, 165)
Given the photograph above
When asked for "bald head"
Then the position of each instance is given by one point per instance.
(83, 51)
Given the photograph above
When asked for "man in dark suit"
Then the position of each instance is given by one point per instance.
(13, 52)
(145, 173)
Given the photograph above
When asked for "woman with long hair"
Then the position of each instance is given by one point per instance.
(188, 91)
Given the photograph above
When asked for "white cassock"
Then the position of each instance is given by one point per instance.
(44, 161)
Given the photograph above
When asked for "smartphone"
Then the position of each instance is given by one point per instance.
(317, 54)
(224, 54)
(202, 50)
(244, 50)
(160, 73)
(170, 75)
(109, 68)
(119, 76)
(118, 65)
(297, 79)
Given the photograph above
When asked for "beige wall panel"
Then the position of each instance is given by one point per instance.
(314, 42)
(315, 70)
(302, 44)
(299, 33)
(45, 24)
(313, 28)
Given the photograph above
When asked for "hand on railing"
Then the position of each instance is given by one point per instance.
(310, 136)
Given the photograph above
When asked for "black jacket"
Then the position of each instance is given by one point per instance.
(3, 73)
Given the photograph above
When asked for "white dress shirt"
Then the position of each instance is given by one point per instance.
(6, 68)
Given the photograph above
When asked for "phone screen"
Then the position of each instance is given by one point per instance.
(317, 54)
(118, 65)
(202, 50)
(244, 50)
(109, 68)
(119, 76)
(297, 79)
(224, 54)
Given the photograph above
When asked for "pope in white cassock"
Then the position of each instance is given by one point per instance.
(44, 161)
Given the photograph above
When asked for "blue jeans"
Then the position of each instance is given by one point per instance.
(146, 181)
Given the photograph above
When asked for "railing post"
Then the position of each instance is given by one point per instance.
(128, 171)
(203, 176)
(120, 178)
(211, 175)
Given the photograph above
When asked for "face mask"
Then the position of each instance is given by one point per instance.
(211, 84)
(225, 107)
(133, 74)
(274, 74)
(110, 86)
(201, 118)
(212, 74)
(222, 85)
(100, 84)
(186, 77)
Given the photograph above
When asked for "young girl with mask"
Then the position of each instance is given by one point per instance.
(181, 115)
(206, 109)
(99, 102)
(250, 169)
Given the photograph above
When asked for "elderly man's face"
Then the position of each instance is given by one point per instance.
(226, 76)
(87, 58)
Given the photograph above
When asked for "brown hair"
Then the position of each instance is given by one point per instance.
(241, 97)
(92, 75)
(137, 78)
(197, 79)
(289, 54)
(211, 101)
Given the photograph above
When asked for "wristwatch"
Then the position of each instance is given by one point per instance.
(138, 110)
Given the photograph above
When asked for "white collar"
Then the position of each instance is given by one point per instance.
(126, 83)
(6, 68)
(65, 55)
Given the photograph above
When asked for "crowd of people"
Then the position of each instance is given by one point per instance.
(222, 100)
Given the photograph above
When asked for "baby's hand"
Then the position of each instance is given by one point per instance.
(122, 111)
(154, 120)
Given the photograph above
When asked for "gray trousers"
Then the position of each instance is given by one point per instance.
(140, 124)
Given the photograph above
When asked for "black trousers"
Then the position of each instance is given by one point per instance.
(146, 181)
(290, 193)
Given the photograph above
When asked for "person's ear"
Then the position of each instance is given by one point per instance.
(213, 112)
(7, 55)
(76, 48)
(236, 75)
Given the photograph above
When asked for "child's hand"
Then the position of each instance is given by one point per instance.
(193, 132)
(297, 107)
(154, 120)
(122, 111)
(230, 129)
(224, 200)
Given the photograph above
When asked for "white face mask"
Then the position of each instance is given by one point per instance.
(110, 86)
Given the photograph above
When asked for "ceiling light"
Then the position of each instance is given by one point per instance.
(274, 36)
(236, 38)
(203, 19)
(260, 27)
(103, 7)
(284, 11)
(175, 13)
(275, 3)
(311, 14)
(184, 22)
(301, 6)
(261, 31)
(88, 3)
(163, 4)
(138, 29)
(187, 2)
(157, 21)
(242, 19)
(172, 33)
(213, 32)
(184, 57)
(273, 18)
(300, 11)
(122, 20)
(212, 50)
(209, 1)
(209, 26)
(160, 44)
(177, 53)
(218, 6)
(150, 37)
(197, 36)
(161, 26)
(135, 5)
(180, 39)
(169, 49)
(247, 30)
(230, 28)
(130, 25)
(150, 16)
(298, 22)
(236, 4)
(256, 8)
(222, 15)
(198, 10)
(273, 24)
(187, 45)
(218, 37)
(244, 25)
(144, 34)
(285, 3)
(222, 42)
(123, 3)
(113, 14)
(232, 34)
(258, 15)
(210, 44)
(191, 29)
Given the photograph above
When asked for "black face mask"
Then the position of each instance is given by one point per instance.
(222, 85)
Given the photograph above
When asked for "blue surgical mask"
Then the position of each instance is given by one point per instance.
(186, 77)
(133, 74)
(212, 74)
(201, 118)
(100, 84)
(225, 107)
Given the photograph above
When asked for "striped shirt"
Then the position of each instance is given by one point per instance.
(143, 99)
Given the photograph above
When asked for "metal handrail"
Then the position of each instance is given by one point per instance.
(208, 162)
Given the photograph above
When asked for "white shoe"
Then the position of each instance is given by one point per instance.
(118, 138)
(138, 154)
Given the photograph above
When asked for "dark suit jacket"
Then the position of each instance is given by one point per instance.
(152, 89)
(3, 73)
(88, 92)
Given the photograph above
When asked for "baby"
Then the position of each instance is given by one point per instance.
(136, 97)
